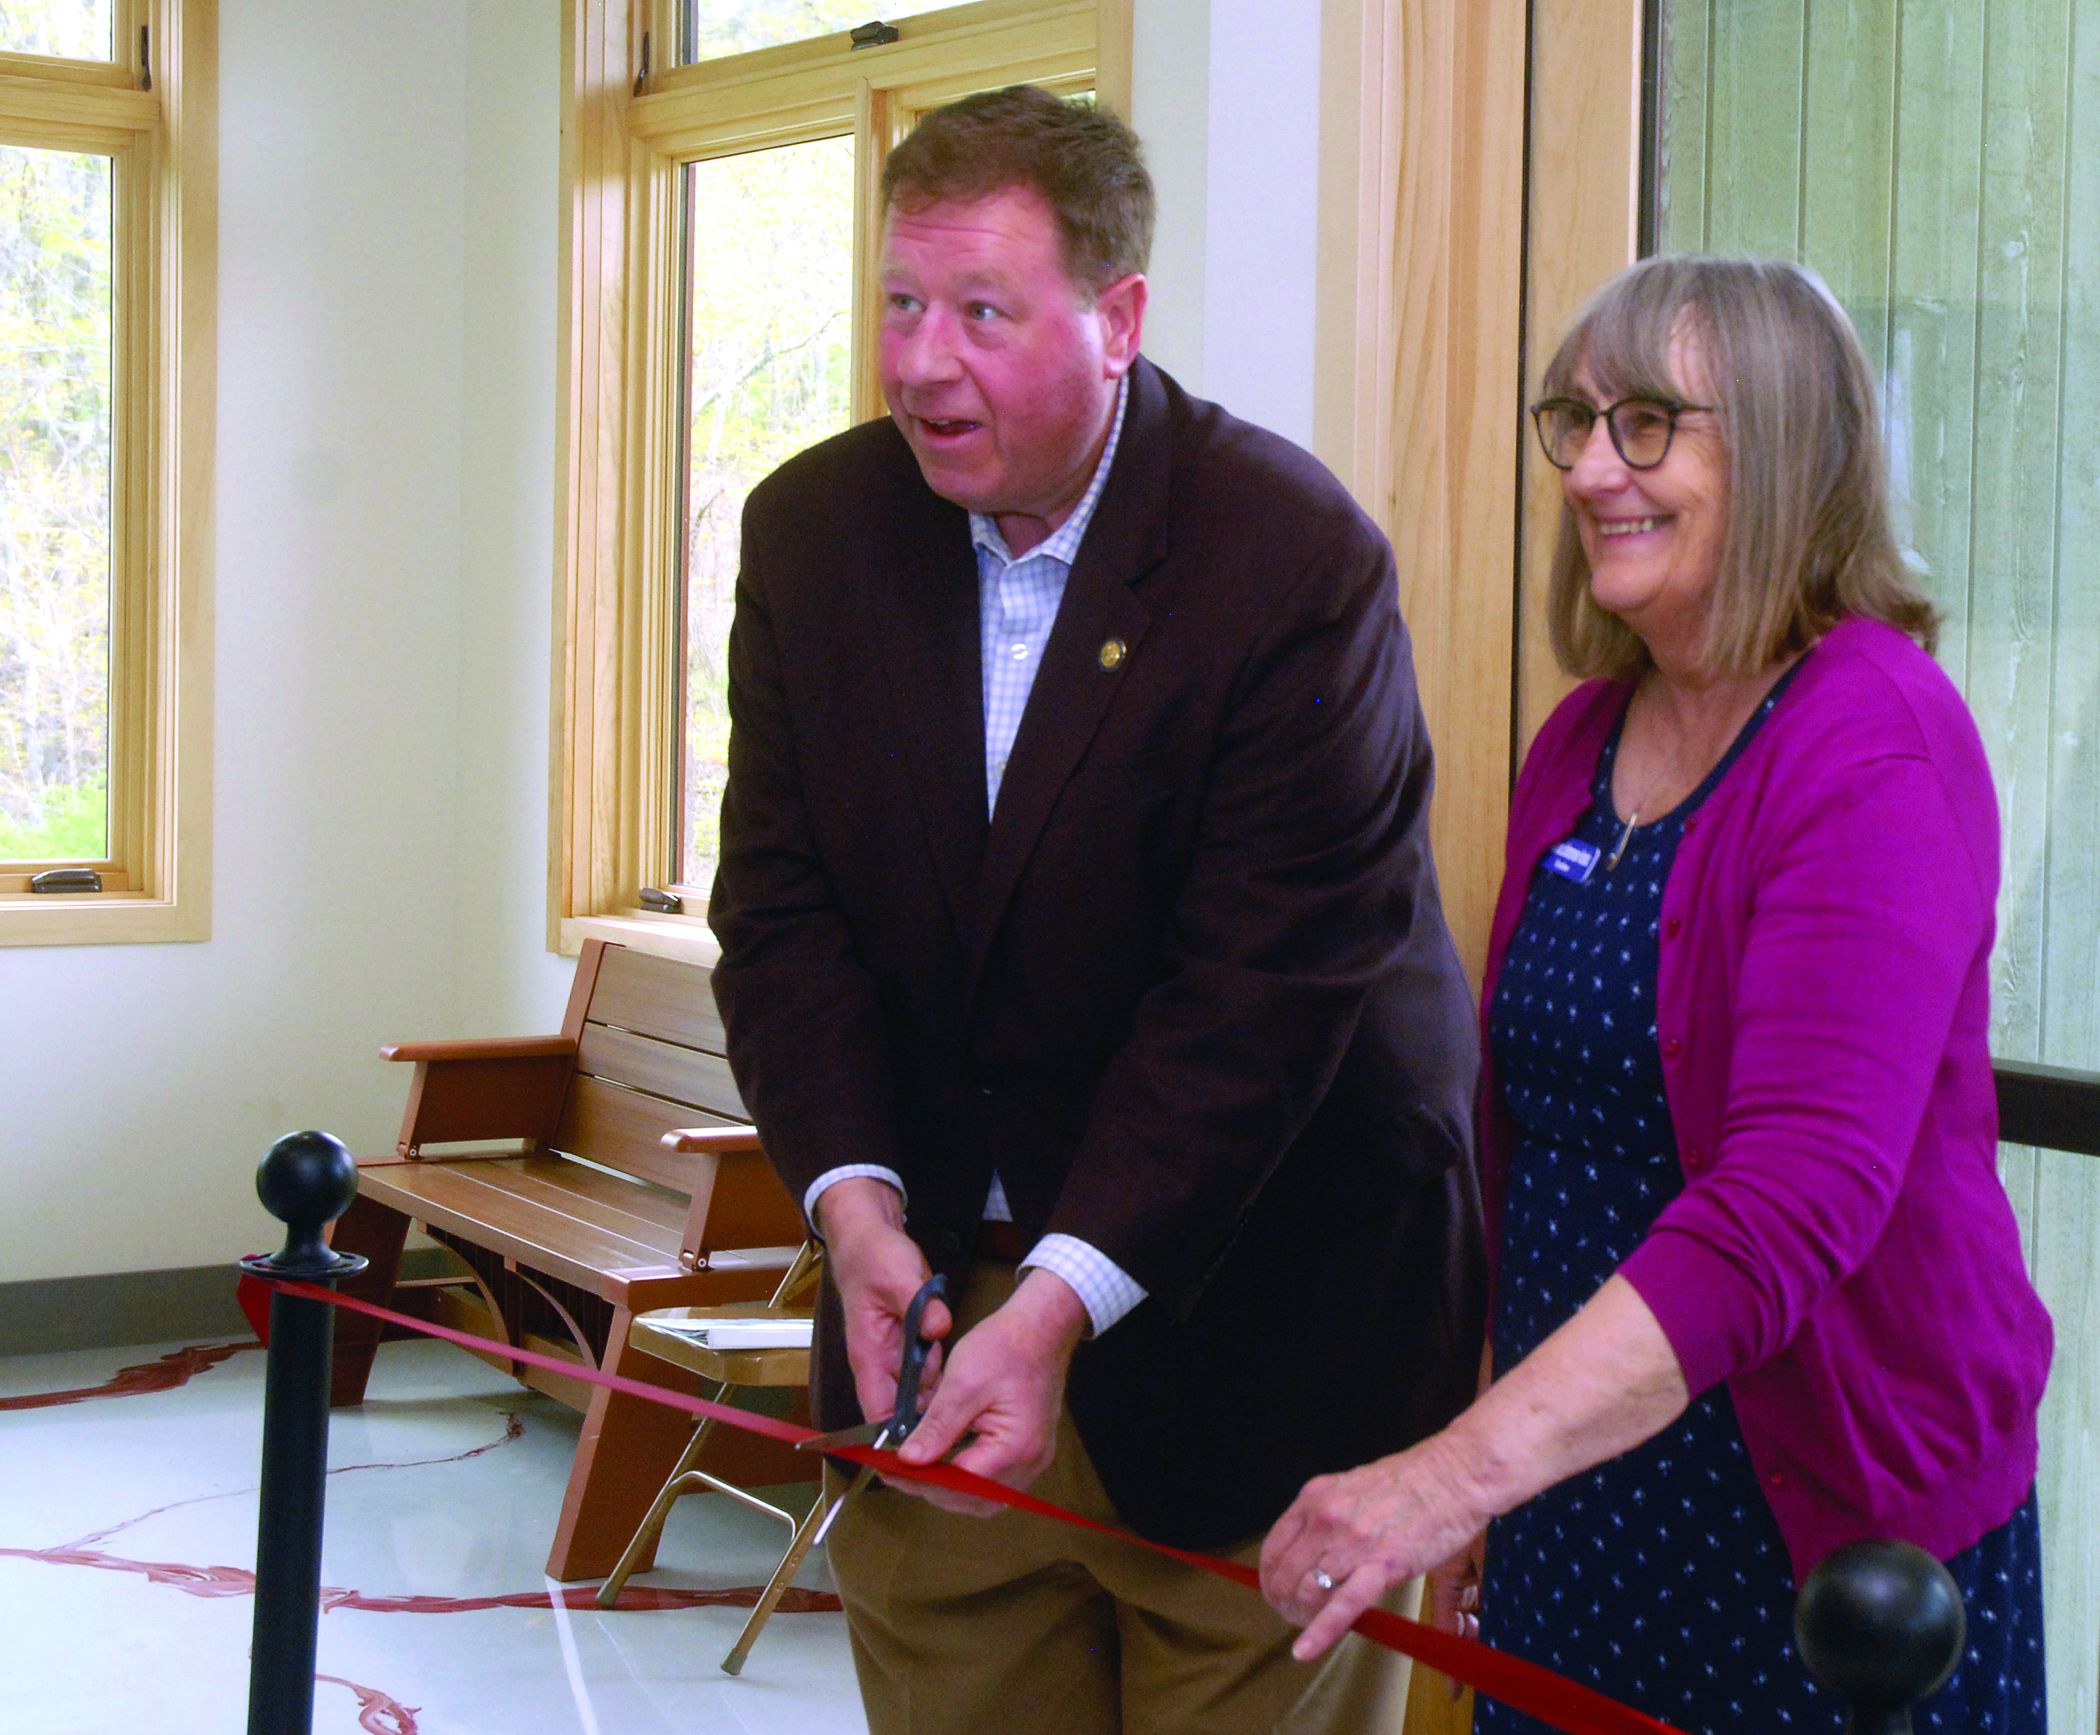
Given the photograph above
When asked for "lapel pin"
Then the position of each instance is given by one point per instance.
(1112, 653)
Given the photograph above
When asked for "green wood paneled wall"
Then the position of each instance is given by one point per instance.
(1938, 162)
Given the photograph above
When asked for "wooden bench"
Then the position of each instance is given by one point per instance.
(560, 1254)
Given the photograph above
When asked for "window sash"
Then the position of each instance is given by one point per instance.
(124, 576)
(125, 18)
(691, 52)
(164, 244)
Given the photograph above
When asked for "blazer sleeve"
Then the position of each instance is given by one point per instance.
(806, 1039)
(1309, 881)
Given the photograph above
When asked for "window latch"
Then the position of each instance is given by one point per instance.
(641, 78)
(662, 902)
(145, 57)
(66, 880)
(873, 35)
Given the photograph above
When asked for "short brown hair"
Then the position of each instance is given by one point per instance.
(1087, 166)
(1808, 539)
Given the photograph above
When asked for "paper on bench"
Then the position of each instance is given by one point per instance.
(751, 1258)
(760, 1332)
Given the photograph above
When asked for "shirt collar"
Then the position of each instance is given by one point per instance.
(1062, 544)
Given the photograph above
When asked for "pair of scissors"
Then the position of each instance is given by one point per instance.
(896, 1428)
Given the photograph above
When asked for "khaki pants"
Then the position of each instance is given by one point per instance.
(967, 1626)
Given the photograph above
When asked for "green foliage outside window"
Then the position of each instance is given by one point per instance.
(73, 826)
(714, 28)
(77, 29)
(55, 443)
(770, 258)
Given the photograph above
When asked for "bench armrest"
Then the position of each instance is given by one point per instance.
(483, 1048)
(503, 1087)
(738, 1202)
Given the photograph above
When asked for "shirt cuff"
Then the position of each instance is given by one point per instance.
(1106, 1289)
(846, 1172)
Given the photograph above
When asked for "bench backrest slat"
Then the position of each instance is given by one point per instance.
(737, 1202)
(659, 997)
(683, 1075)
(649, 1060)
(619, 1129)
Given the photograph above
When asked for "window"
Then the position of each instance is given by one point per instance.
(719, 308)
(767, 316)
(106, 254)
(1940, 169)
(710, 29)
(1945, 182)
(1416, 345)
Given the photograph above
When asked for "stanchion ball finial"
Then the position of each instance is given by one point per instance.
(306, 1182)
(1881, 1624)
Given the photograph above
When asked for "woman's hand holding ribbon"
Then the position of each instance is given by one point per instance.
(1453, 1595)
(1367, 1530)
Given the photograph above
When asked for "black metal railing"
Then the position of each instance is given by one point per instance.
(2054, 1107)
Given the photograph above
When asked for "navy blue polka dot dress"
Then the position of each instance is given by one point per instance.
(1660, 1577)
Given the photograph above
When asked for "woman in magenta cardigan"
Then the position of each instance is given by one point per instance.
(1758, 1290)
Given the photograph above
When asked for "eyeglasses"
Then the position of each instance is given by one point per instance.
(1641, 428)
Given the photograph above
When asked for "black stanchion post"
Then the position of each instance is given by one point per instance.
(1880, 1624)
(307, 1181)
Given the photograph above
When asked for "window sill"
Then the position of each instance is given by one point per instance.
(100, 919)
(682, 937)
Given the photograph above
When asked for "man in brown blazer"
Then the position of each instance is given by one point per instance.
(1080, 940)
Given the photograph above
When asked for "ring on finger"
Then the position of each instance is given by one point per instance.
(1324, 1579)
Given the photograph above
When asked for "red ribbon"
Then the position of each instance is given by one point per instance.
(1525, 1686)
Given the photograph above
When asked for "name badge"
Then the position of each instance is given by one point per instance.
(1573, 860)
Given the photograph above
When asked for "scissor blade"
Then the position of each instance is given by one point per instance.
(852, 1487)
(863, 1434)
(854, 1482)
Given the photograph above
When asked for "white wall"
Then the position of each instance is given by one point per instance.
(385, 549)
(1226, 95)
(387, 292)
(508, 980)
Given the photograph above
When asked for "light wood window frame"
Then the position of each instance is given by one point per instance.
(1455, 249)
(1416, 383)
(1418, 364)
(1586, 89)
(615, 733)
(162, 141)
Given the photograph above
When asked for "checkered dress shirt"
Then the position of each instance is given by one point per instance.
(1017, 602)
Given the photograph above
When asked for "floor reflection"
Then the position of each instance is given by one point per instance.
(127, 1538)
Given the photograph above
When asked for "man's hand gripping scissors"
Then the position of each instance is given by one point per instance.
(892, 1432)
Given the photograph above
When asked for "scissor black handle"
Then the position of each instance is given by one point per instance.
(917, 1346)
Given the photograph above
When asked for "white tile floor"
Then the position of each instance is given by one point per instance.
(127, 1540)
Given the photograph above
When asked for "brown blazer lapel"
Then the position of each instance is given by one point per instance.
(1073, 688)
(920, 598)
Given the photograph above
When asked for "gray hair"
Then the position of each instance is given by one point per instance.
(1808, 539)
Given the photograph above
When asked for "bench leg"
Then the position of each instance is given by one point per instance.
(626, 1454)
(377, 1231)
(684, 1479)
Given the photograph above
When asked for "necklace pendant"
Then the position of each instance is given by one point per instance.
(1625, 836)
